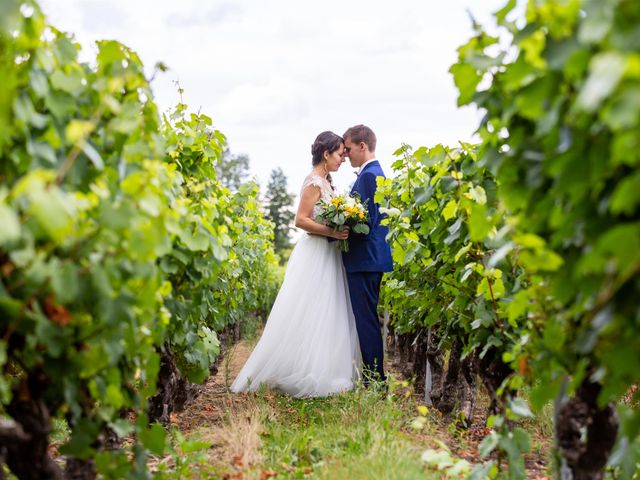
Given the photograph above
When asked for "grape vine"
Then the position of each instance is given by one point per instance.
(118, 246)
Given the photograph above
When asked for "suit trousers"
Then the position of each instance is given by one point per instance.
(364, 290)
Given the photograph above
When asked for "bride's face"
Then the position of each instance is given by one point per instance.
(335, 159)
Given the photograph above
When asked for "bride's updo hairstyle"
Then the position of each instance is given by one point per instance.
(325, 142)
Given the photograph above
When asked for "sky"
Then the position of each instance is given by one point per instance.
(273, 74)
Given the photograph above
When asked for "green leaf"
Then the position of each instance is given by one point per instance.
(59, 103)
(529, 240)
(498, 288)
(518, 305)
(361, 228)
(540, 260)
(219, 252)
(488, 444)
(193, 445)
(605, 72)
(114, 396)
(42, 150)
(54, 212)
(463, 250)
(398, 254)
(25, 111)
(597, 22)
(39, 83)
(466, 79)
(93, 155)
(621, 242)
(519, 407)
(83, 436)
(198, 241)
(70, 82)
(450, 209)
(64, 281)
(532, 46)
(77, 130)
(423, 194)
(65, 49)
(122, 427)
(448, 183)
(501, 14)
(10, 222)
(154, 439)
(532, 99)
(479, 224)
(621, 111)
(626, 196)
(110, 51)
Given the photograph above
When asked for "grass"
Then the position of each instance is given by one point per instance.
(60, 431)
(356, 435)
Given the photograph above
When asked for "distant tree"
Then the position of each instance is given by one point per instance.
(279, 203)
(232, 169)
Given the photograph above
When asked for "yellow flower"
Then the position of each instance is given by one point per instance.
(360, 215)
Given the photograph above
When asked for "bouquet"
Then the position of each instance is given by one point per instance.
(341, 210)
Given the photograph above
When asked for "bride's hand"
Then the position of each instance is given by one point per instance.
(342, 233)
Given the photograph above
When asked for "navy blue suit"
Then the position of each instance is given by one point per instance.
(369, 256)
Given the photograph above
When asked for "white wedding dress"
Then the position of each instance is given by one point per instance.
(309, 346)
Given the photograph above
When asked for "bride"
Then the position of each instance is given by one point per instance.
(309, 346)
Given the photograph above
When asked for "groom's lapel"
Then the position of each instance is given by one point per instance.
(354, 188)
(368, 166)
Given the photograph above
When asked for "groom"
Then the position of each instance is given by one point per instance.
(369, 256)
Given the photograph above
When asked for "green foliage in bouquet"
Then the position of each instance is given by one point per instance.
(343, 210)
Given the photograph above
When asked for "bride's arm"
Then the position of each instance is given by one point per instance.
(304, 216)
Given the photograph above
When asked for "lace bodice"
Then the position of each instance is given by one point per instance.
(325, 188)
(317, 181)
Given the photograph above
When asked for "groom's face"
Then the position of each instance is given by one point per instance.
(354, 151)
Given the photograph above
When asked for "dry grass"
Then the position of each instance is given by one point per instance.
(237, 440)
(230, 423)
(632, 397)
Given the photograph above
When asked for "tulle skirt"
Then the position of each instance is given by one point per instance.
(309, 346)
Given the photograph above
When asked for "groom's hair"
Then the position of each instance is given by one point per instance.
(362, 133)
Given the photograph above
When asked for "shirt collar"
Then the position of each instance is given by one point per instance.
(365, 164)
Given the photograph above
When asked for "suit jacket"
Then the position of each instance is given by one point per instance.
(371, 252)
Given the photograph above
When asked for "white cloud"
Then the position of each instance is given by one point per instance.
(216, 15)
(279, 101)
(274, 74)
(99, 15)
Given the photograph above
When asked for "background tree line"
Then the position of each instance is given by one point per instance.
(233, 171)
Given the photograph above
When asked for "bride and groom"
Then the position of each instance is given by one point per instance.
(324, 320)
